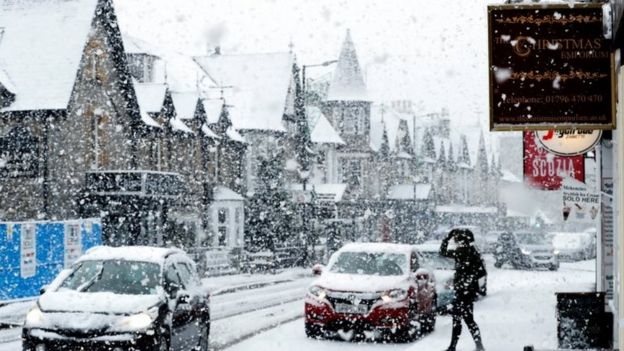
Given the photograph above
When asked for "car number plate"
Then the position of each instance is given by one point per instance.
(347, 308)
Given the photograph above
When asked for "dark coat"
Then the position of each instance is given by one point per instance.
(468, 269)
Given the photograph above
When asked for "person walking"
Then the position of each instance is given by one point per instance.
(469, 268)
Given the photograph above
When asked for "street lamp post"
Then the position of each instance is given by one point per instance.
(306, 173)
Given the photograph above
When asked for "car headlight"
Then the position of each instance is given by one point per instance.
(317, 292)
(135, 322)
(394, 295)
(555, 252)
(525, 251)
(34, 317)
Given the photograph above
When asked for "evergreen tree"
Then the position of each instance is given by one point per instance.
(482, 159)
(442, 158)
(384, 149)
(464, 155)
(428, 145)
(269, 218)
(303, 140)
(450, 163)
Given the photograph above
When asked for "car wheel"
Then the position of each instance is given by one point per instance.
(498, 264)
(314, 331)
(554, 267)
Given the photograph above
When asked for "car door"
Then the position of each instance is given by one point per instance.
(194, 305)
(180, 313)
(426, 290)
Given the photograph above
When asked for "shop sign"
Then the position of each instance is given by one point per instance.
(544, 170)
(568, 142)
(579, 204)
(551, 67)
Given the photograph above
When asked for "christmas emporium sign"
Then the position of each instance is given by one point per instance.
(551, 67)
(545, 170)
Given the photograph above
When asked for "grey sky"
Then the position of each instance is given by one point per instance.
(433, 52)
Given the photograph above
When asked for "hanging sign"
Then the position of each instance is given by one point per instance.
(28, 250)
(73, 243)
(579, 204)
(568, 142)
(551, 67)
(544, 170)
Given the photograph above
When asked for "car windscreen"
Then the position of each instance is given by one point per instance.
(531, 239)
(436, 261)
(115, 276)
(370, 263)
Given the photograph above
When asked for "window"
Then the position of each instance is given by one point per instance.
(171, 277)
(352, 118)
(222, 232)
(351, 171)
(184, 273)
(414, 262)
(19, 154)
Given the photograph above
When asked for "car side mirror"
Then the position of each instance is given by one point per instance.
(422, 276)
(317, 269)
(43, 289)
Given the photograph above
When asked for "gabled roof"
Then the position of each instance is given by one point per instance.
(259, 83)
(41, 49)
(347, 82)
(381, 117)
(185, 104)
(222, 193)
(134, 45)
(322, 131)
(151, 98)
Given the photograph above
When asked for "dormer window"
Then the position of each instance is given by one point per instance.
(141, 67)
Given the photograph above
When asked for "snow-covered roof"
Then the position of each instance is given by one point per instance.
(185, 104)
(347, 82)
(178, 124)
(222, 193)
(235, 135)
(213, 109)
(41, 49)
(130, 253)
(381, 117)
(322, 131)
(178, 70)
(134, 45)
(465, 209)
(324, 192)
(406, 192)
(508, 176)
(151, 98)
(259, 83)
(209, 133)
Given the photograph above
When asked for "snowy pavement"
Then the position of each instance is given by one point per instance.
(519, 310)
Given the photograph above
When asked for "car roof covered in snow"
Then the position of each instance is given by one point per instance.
(130, 253)
(42, 45)
(377, 247)
(429, 246)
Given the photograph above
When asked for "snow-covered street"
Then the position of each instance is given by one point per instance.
(519, 310)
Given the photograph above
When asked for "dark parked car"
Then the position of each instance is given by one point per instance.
(125, 298)
(526, 249)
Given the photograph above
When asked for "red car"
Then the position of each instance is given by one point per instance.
(372, 287)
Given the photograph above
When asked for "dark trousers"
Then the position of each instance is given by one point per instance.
(463, 309)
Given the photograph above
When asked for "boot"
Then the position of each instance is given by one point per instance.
(479, 346)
